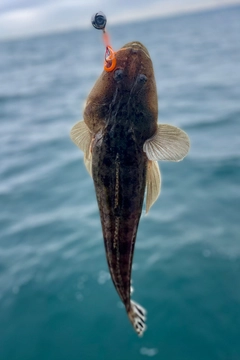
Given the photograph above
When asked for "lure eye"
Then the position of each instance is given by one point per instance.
(118, 75)
(142, 79)
(99, 20)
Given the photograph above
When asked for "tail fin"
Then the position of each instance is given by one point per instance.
(137, 316)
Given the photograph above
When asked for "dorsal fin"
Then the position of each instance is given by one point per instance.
(169, 143)
(153, 183)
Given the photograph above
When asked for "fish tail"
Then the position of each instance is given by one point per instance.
(137, 316)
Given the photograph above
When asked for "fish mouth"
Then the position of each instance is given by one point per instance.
(136, 45)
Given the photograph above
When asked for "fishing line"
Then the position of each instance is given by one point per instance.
(99, 22)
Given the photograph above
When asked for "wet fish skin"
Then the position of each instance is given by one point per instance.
(122, 143)
(119, 176)
(119, 163)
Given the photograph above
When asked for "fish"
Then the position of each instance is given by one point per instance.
(122, 143)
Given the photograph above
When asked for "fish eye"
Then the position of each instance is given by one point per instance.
(99, 20)
(141, 78)
(118, 75)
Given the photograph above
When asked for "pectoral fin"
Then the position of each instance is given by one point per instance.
(169, 143)
(82, 137)
(153, 183)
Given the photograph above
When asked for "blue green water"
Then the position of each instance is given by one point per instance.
(56, 298)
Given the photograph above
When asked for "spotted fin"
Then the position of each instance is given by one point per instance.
(137, 316)
(82, 137)
(153, 183)
(169, 143)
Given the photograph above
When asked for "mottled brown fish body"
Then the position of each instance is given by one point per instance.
(122, 143)
(119, 177)
(121, 111)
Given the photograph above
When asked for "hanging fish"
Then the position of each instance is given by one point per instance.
(122, 142)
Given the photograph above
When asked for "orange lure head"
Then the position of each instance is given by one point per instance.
(99, 21)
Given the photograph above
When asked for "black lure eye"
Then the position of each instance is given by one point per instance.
(141, 78)
(118, 75)
(99, 20)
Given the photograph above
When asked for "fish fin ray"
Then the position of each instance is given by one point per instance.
(153, 183)
(169, 143)
(81, 135)
(137, 316)
(88, 162)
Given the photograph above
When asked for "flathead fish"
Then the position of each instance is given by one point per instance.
(122, 142)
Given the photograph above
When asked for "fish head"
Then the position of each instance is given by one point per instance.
(129, 87)
(134, 70)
